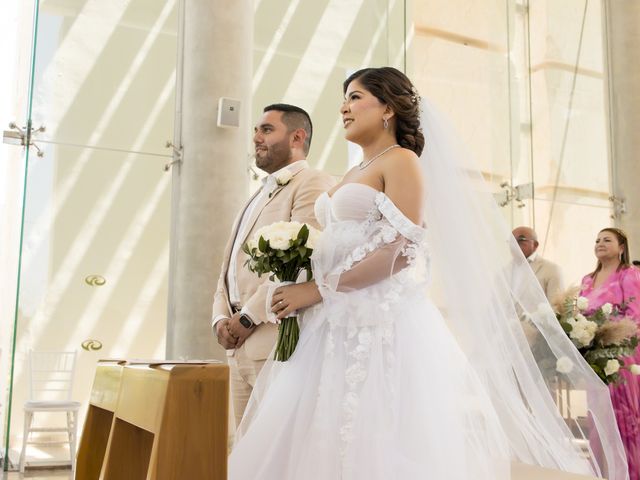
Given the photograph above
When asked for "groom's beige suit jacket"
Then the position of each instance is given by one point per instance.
(293, 201)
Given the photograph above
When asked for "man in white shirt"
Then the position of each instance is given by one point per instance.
(547, 273)
(282, 139)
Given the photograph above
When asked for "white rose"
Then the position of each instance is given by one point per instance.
(571, 321)
(582, 303)
(607, 308)
(564, 365)
(581, 318)
(284, 177)
(279, 234)
(278, 242)
(635, 369)
(583, 331)
(611, 367)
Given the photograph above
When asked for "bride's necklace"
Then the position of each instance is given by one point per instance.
(362, 166)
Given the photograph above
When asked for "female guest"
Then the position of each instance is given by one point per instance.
(616, 282)
(378, 387)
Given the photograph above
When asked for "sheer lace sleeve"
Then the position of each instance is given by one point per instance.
(394, 244)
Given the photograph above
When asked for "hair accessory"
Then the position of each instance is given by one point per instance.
(415, 96)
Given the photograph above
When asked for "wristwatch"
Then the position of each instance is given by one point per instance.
(246, 321)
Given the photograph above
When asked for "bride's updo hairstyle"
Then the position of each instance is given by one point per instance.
(393, 88)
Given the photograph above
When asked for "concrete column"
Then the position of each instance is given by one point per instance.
(622, 38)
(210, 185)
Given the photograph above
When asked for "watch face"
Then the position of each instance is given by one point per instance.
(246, 323)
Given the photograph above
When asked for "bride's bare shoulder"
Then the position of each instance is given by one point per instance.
(403, 164)
(404, 183)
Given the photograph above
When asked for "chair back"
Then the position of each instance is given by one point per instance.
(51, 375)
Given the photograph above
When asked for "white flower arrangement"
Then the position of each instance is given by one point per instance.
(602, 336)
(583, 331)
(281, 179)
(284, 177)
(283, 250)
(278, 234)
(582, 303)
(612, 367)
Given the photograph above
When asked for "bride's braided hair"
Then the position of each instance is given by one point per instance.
(393, 88)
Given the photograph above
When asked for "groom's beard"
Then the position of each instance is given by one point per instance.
(275, 157)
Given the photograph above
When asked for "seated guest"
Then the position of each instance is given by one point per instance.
(616, 282)
(547, 273)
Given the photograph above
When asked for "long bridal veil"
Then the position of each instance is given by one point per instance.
(490, 297)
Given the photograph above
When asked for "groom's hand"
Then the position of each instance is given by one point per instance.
(238, 331)
(225, 338)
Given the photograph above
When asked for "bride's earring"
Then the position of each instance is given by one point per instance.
(385, 123)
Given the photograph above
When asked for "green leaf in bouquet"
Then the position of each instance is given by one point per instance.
(303, 234)
(598, 316)
(566, 327)
(302, 251)
(607, 353)
(263, 244)
(280, 253)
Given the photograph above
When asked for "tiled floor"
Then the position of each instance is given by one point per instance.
(39, 474)
(41, 453)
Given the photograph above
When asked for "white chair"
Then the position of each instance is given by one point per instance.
(50, 385)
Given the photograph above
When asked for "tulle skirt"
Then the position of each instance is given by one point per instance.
(377, 389)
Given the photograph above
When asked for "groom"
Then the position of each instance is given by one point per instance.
(282, 138)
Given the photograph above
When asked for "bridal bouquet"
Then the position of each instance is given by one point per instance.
(282, 249)
(601, 338)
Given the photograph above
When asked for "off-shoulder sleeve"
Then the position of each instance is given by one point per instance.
(390, 247)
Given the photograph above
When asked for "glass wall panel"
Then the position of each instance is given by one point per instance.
(94, 262)
(462, 64)
(105, 73)
(571, 163)
(305, 50)
(523, 82)
(94, 257)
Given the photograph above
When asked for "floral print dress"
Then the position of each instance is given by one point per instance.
(623, 287)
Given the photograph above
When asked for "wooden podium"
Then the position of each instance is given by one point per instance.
(156, 421)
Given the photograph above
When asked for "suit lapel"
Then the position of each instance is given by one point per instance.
(266, 200)
(234, 235)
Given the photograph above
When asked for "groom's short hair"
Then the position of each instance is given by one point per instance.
(294, 117)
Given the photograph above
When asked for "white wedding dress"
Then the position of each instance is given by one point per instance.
(378, 388)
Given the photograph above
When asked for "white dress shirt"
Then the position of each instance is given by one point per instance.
(269, 185)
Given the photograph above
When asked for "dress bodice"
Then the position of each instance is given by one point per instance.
(361, 203)
(620, 287)
(351, 201)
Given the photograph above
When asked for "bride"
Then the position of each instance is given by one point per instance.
(381, 386)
